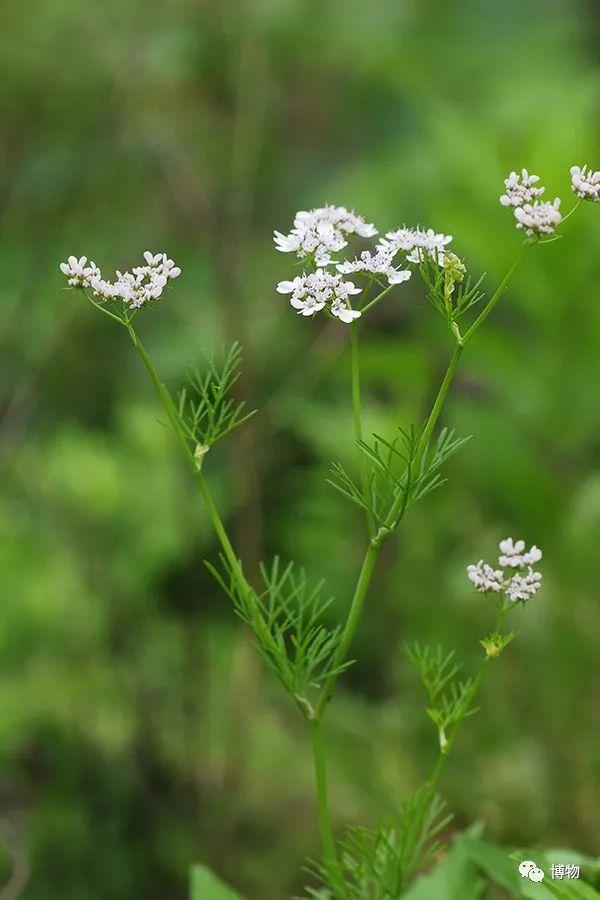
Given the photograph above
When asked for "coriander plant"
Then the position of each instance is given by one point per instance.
(284, 609)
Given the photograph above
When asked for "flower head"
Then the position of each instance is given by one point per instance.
(322, 231)
(78, 271)
(485, 578)
(312, 293)
(135, 288)
(416, 243)
(378, 263)
(521, 584)
(521, 189)
(538, 218)
(586, 184)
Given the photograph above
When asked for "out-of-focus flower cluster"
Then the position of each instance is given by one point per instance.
(586, 183)
(522, 584)
(136, 288)
(534, 216)
(319, 234)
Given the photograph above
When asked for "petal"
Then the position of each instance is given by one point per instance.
(285, 287)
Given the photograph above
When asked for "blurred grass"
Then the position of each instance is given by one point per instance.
(138, 733)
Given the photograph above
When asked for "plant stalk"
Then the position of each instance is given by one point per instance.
(360, 593)
(320, 766)
(171, 412)
(441, 762)
(357, 411)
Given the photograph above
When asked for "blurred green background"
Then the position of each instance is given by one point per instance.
(138, 731)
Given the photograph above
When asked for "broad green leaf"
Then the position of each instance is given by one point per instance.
(454, 878)
(495, 862)
(206, 886)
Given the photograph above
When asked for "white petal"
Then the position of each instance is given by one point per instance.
(286, 287)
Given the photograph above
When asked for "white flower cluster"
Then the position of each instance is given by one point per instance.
(311, 293)
(521, 189)
(378, 263)
(534, 216)
(416, 243)
(136, 288)
(538, 218)
(586, 183)
(321, 232)
(522, 584)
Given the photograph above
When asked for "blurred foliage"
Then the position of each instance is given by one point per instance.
(139, 733)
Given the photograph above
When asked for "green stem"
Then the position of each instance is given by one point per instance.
(430, 424)
(173, 416)
(357, 410)
(377, 299)
(325, 826)
(441, 762)
(493, 299)
(360, 592)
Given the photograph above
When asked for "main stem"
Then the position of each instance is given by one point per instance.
(357, 411)
(320, 766)
(358, 599)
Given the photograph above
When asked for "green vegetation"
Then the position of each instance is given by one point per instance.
(140, 734)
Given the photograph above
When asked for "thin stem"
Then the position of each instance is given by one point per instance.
(171, 412)
(357, 410)
(441, 762)
(430, 424)
(325, 826)
(493, 299)
(571, 211)
(360, 592)
(377, 299)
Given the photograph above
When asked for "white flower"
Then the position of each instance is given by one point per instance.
(378, 263)
(523, 587)
(415, 242)
(343, 312)
(485, 578)
(77, 272)
(520, 585)
(135, 288)
(521, 189)
(311, 293)
(512, 554)
(321, 232)
(586, 184)
(538, 218)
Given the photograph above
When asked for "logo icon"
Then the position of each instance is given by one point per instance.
(528, 869)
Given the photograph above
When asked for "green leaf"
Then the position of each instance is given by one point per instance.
(454, 878)
(206, 886)
(495, 862)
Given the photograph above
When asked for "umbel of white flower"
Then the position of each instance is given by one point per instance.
(522, 584)
(319, 234)
(136, 288)
(586, 183)
(533, 216)
(312, 293)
